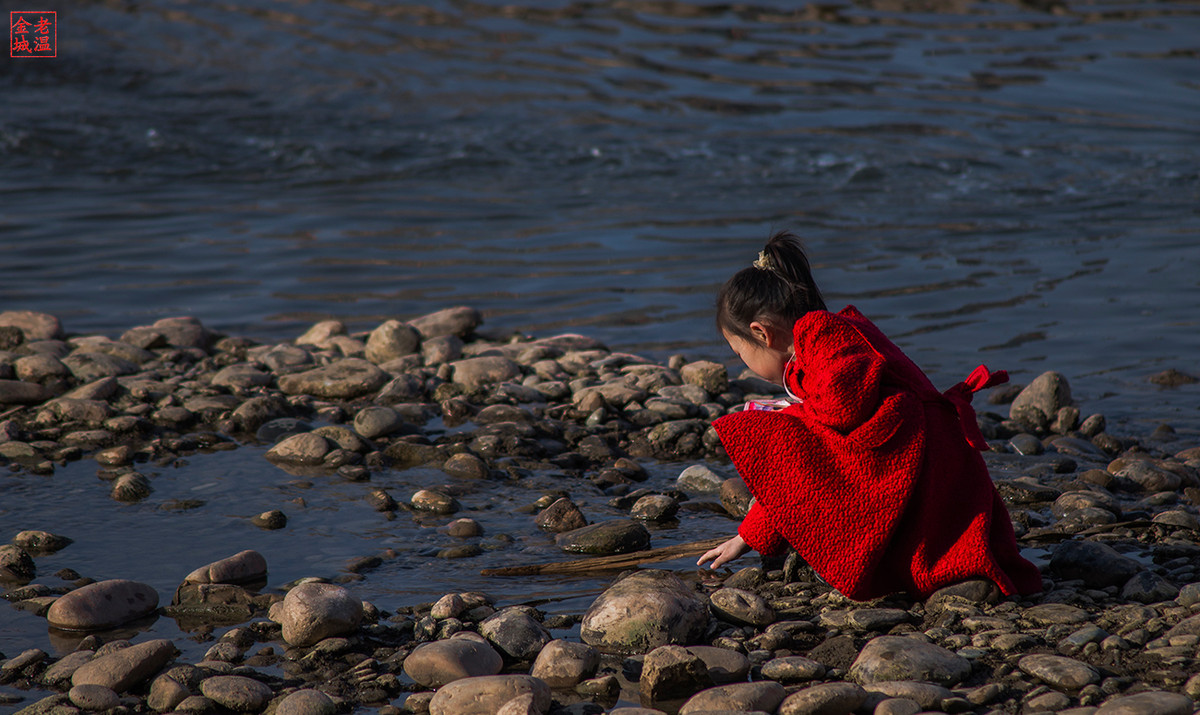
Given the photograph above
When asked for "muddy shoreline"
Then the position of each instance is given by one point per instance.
(1114, 516)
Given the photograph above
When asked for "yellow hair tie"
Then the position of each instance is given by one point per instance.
(764, 261)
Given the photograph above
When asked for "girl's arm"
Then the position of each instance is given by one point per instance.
(757, 532)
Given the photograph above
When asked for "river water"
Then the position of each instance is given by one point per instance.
(1012, 183)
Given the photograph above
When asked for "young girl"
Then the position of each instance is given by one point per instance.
(872, 475)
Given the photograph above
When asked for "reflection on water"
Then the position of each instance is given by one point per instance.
(331, 524)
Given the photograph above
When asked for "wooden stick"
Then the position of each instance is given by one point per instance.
(619, 561)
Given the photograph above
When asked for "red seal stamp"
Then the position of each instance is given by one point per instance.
(33, 33)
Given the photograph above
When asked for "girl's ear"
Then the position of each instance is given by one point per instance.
(762, 333)
(769, 337)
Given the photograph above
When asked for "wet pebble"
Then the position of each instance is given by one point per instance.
(865, 619)
(1148, 587)
(16, 565)
(617, 536)
(487, 694)
(347, 378)
(761, 696)
(236, 692)
(736, 497)
(273, 519)
(1149, 476)
(434, 664)
(131, 487)
(466, 466)
(242, 377)
(1040, 401)
(462, 551)
(1059, 672)
(94, 698)
(464, 528)
(1077, 447)
(33, 325)
(742, 607)
(823, 699)
(480, 371)
(1048, 614)
(565, 664)
(1027, 444)
(900, 658)
(308, 701)
(699, 479)
(724, 665)
(515, 633)
(243, 567)
(306, 448)
(459, 321)
(712, 377)
(561, 516)
(434, 501)
(897, 706)
(1156, 702)
(372, 422)
(792, 669)
(928, 695)
(17, 392)
(390, 340)
(380, 500)
(655, 507)
(1098, 565)
(671, 672)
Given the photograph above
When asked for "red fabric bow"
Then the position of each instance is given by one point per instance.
(960, 395)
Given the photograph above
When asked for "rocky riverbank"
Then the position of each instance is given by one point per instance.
(1116, 629)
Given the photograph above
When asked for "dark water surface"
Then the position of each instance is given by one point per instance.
(1015, 183)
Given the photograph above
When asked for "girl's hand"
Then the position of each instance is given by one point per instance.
(725, 553)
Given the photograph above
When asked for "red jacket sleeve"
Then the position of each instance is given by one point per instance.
(756, 530)
(841, 371)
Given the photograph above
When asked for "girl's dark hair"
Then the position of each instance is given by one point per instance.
(777, 289)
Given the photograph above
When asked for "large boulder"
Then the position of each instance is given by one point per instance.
(34, 326)
(1041, 400)
(391, 340)
(102, 605)
(312, 612)
(644, 610)
(127, 667)
(345, 379)
(901, 658)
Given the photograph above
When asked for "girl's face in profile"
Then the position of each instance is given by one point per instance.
(766, 356)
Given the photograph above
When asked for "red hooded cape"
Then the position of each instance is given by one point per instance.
(876, 477)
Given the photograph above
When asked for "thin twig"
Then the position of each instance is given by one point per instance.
(601, 563)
